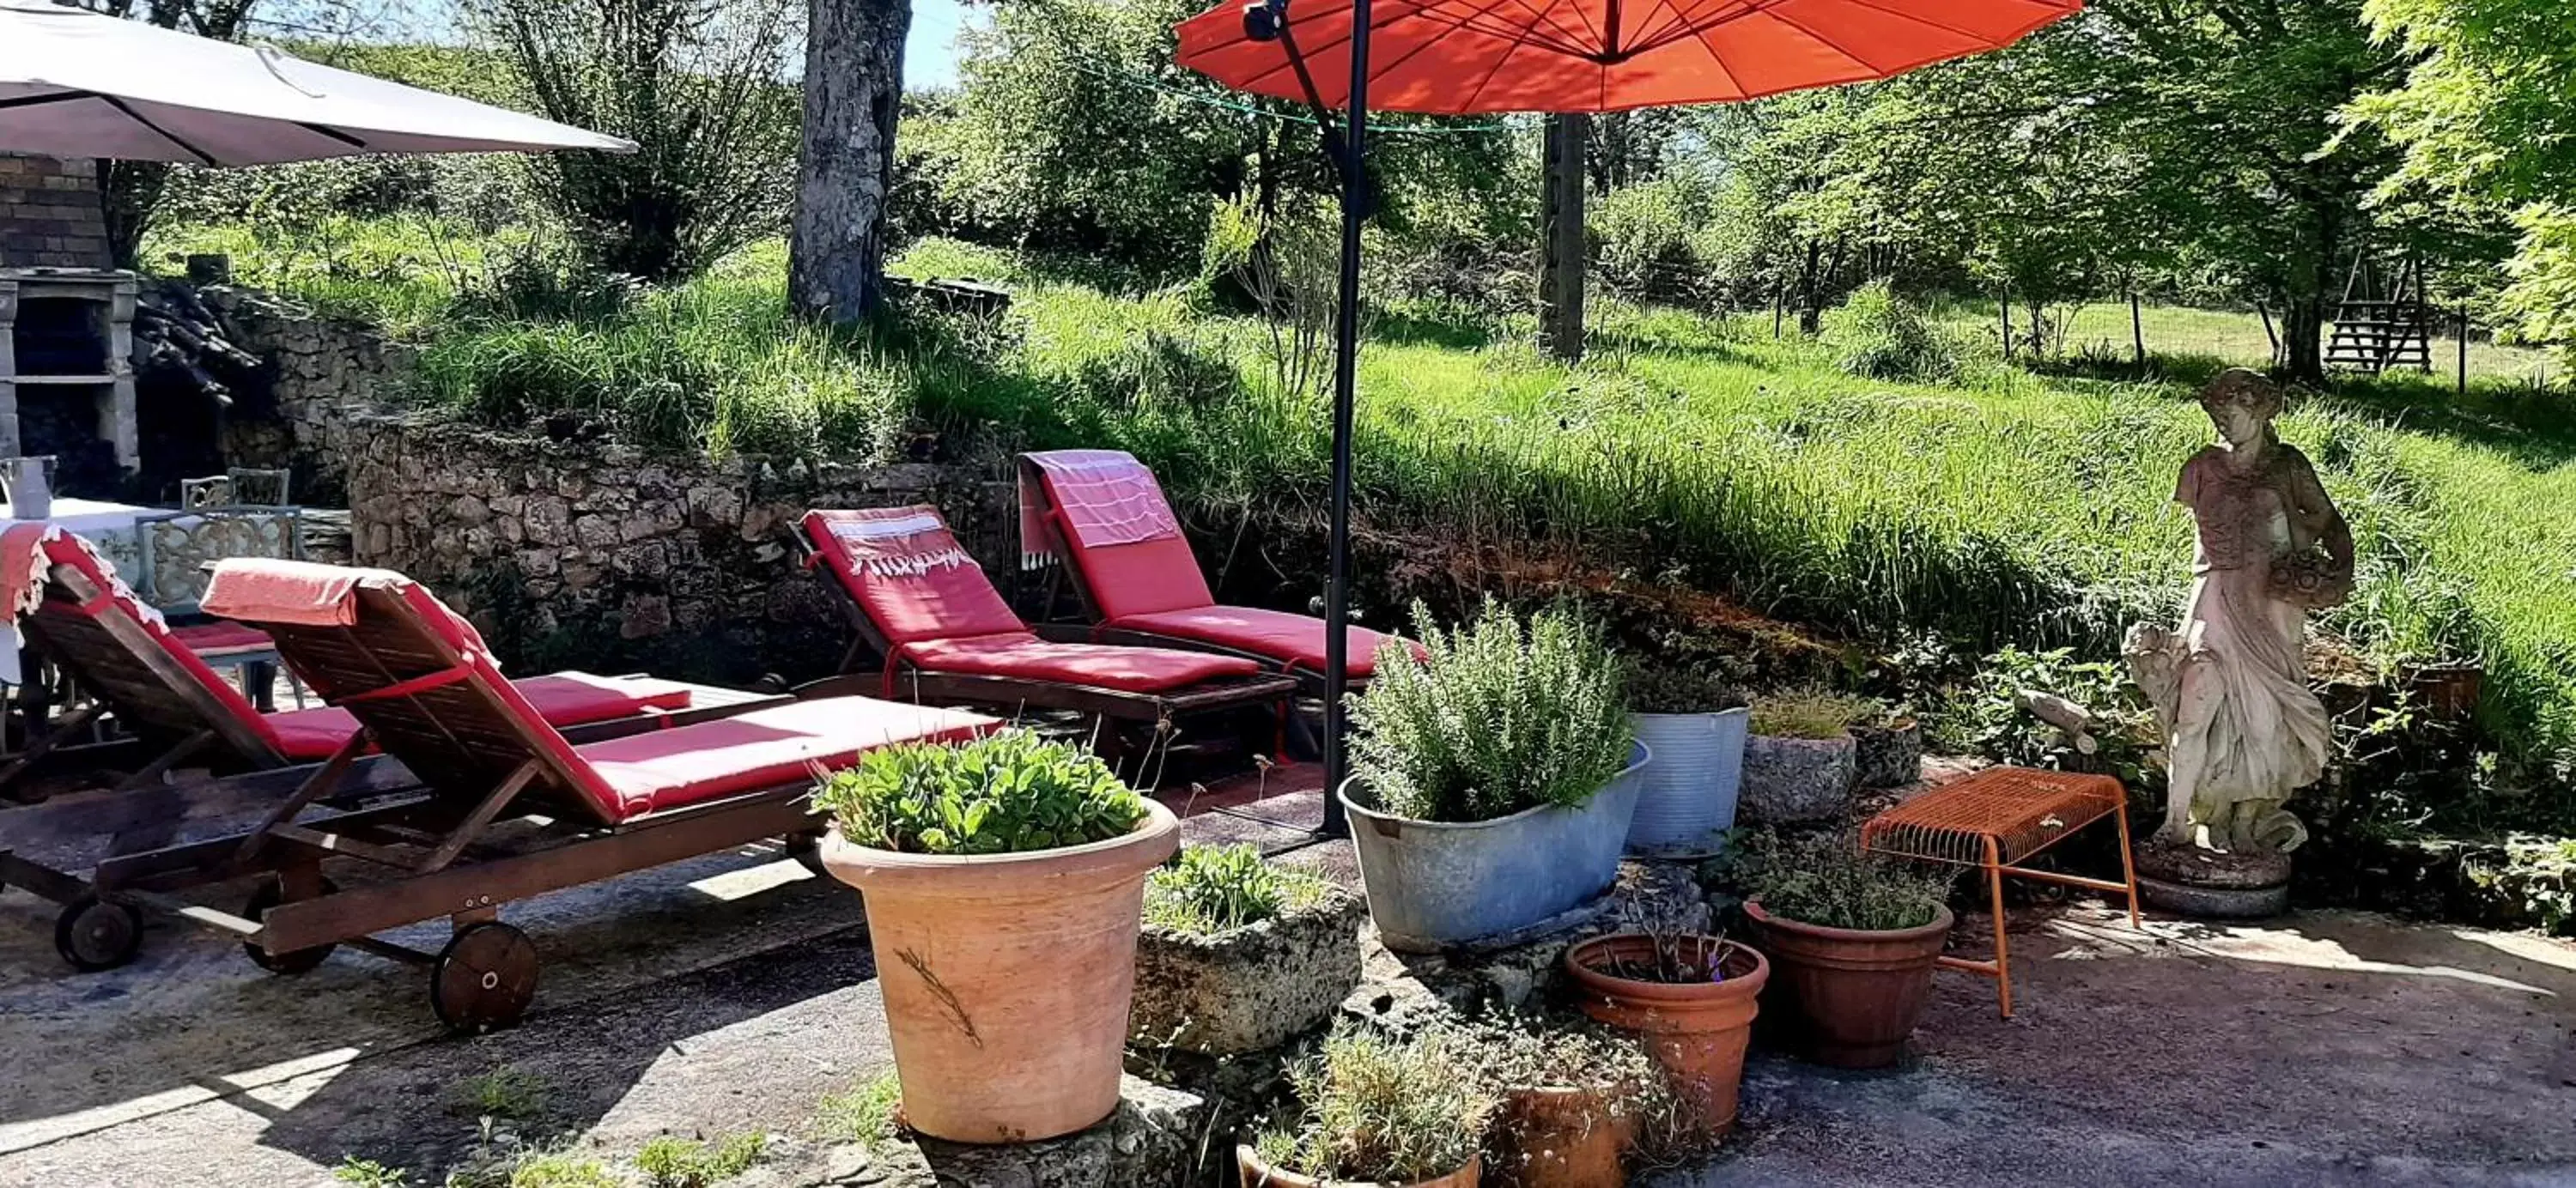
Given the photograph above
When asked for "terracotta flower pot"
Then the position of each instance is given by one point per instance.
(1257, 1174)
(1697, 1031)
(1564, 1138)
(1007, 976)
(1843, 996)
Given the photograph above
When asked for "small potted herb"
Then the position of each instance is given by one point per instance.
(1576, 1098)
(1493, 781)
(1801, 763)
(1852, 937)
(1378, 1111)
(1692, 996)
(1695, 726)
(1004, 879)
(1239, 954)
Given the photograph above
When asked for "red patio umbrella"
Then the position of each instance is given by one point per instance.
(1463, 57)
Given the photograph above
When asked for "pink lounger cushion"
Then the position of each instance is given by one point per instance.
(1023, 656)
(563, 699)
(685, 765)
(1296, 641)
(298, 592)
(220, 639)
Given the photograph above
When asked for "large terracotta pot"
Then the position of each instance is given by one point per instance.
(1561, 1137)
(1846, 997)
(1007, 976)
(1697, 1031)
(1257, 1174)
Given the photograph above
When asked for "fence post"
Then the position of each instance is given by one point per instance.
(2137, 331)
(2004, 303)
(2464, 350)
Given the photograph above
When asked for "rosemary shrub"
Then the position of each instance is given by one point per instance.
(1505, 714)
(1379, 1109)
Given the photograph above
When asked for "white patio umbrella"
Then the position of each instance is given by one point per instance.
(77, 84)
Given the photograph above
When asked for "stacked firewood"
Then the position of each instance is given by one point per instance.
(177, 337)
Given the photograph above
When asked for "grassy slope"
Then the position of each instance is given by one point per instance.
(2007, 507)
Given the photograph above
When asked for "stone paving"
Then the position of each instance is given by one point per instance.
(734, 992)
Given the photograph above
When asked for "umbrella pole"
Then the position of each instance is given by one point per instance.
(1337, 585)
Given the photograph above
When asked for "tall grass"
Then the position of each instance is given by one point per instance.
(1997, 507)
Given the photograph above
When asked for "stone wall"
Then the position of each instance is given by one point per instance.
(323, 379)
(50, 216)
(579, 554)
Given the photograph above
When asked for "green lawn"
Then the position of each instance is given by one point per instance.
(2005, 507)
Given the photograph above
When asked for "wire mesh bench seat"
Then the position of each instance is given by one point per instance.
(1996, 820)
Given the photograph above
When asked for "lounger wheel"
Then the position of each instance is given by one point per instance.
(484, 978)
(95, 934)
(270, 894)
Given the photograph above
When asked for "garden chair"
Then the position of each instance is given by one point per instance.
(1103, 512)
(174, 710)
(946, 635)
(415, 676)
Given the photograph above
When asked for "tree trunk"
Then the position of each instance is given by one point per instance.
(1561, 246)
(853, 94)
(2303, 318)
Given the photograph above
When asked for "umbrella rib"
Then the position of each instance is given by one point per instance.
(50, 97)
(326, 130)
(138, 117)
(1979, 38)
(1377, 72)
(1565, 41)
(1828, 43)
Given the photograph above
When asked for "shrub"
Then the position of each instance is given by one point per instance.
(1377, 1109)
(1213, 889)
(1655, 689)
(1006, 793)
(1827, 880)
(694, 84)
(1982, 716)
(1811, 714)
(1530, 1052)
(1505, 714)
(1880, 335)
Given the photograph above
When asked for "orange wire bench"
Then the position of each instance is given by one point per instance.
(1996, 819)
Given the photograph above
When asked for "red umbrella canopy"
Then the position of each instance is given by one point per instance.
(1460, 57)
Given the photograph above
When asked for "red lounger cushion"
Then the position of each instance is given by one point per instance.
(564, 699)
(667, 769)
(939, 601)
(1146, 578)
(216, 639)
(1296, 641)
(1026, 657)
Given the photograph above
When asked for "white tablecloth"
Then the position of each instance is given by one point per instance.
(110, 526)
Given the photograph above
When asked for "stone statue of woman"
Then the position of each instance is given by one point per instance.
(2242, 729)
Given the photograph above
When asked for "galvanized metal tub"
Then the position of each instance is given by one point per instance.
(1432, 884)
(1689, 795)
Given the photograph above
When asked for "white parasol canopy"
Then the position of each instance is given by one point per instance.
(77, 84)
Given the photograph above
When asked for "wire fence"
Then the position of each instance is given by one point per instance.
(2250, 338)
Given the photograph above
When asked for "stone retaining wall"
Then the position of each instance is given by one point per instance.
(577, 554)
(326, 377)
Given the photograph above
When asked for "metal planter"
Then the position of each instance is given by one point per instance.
(1689, 794)
(1434, 884)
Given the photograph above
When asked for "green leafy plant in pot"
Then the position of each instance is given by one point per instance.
(1853, 938)
(1375, 1110)
(1004, 881)
(1493, 780)
(1240, 954)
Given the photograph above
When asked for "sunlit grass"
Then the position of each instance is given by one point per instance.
(2006, 507)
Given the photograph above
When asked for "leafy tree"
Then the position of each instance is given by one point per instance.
(694, 83)
(2487, 119)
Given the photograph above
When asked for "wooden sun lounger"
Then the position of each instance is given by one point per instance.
(1150, 593)
(180, 714)
(573, 814)
(1022, 667)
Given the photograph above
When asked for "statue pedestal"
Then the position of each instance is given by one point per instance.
(2209, 885)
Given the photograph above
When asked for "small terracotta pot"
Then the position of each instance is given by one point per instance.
(1257, 1174)
(1847, 997)
(1562, 1137)
(1697, 1031)
(1007, 977)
